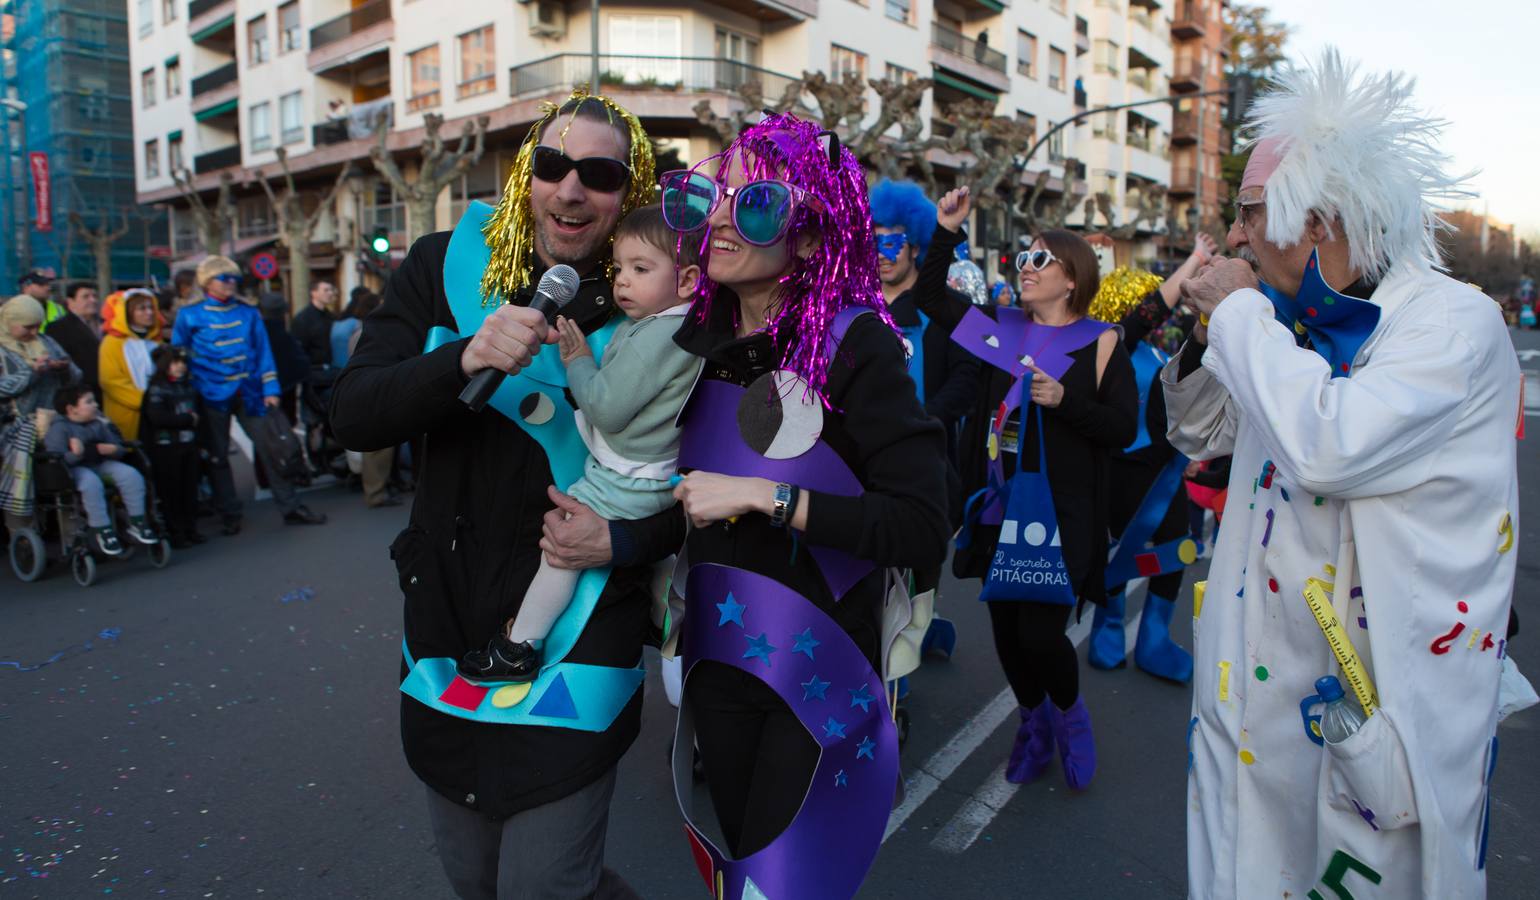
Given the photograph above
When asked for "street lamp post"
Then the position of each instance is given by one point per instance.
(24, 237)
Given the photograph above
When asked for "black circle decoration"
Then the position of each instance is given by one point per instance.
(779, 417)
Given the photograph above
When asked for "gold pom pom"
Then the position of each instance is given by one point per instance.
(1121, 291)
(510, 232)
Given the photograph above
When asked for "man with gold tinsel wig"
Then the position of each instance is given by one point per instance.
(1148, 501)
(516, 811)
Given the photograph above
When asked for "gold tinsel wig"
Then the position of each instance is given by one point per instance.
(1121, 291)
(510, 232)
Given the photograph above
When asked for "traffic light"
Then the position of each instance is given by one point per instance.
(1006, 263)
(380, 242)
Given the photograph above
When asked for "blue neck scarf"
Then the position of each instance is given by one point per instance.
(1335, 324)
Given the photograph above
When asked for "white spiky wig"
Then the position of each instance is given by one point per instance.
(1354, 149)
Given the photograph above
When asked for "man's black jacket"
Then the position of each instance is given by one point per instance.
(951, 373)
(471, 547)
(313, 329)
(81, 343)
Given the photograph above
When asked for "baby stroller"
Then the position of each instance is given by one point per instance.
(60, 518)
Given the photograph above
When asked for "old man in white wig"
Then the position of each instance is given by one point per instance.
(1370, 404)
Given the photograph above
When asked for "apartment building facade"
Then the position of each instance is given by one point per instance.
(316, 76)
(1199, 135)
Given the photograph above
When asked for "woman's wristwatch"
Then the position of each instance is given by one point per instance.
(784, 504)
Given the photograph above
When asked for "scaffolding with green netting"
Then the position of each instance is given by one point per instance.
(66, 89)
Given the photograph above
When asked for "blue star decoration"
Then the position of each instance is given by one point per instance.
(862, 697)
(834, 728)
(760, 647)
(732, 611)
(805, 642)
(865, 749)
(814, 689)
(839, 778)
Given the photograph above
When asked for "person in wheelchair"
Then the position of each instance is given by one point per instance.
(93, 450)
(32, 367)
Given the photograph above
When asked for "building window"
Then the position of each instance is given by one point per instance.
(735, 47)
(173, 77)
(291, 122)
(1106, 54)
(1057, 6)
(899, 10)
(145, 13)
(258, 50)
(174, 162)
(147, 88)
(843, 60)
(898, 74)
(1030, 121)
(647, 49)
(261, 126)
(1026, 53)
(422, 77)
(289, 35)
(1057, 64)
(168, 10)
(478, 73)
(152, 159)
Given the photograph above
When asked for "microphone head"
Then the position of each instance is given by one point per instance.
(559, 283)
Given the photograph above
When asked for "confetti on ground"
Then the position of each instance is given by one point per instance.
(106, 634)
(298, 595)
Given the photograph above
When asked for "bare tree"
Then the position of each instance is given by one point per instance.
(985, 148)
(213, 222)
(295, 226)
(440, 166)
(100, 240)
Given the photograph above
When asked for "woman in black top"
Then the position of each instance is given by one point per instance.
(806, 304)
(1086, 414)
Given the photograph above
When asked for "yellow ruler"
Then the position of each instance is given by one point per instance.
(1318, 596)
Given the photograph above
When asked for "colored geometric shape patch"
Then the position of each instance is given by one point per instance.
(463, 694)
(510, 695)
(556, 703)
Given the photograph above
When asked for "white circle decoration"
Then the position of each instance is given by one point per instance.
(1035, 534)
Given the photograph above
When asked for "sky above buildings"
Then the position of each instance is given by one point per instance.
(1477, 64)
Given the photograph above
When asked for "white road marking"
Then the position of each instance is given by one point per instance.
(924, 781)
(1527, 355)
(977, 812)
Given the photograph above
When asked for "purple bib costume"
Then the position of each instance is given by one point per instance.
(755, 624)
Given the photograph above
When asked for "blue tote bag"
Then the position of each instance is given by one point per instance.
(1028, 564)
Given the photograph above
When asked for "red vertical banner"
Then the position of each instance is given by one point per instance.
(42, 191)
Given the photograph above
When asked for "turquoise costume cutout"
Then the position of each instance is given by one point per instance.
(915, 335)
(565, 695)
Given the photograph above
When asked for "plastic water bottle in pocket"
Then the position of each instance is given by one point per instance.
(1343, 716)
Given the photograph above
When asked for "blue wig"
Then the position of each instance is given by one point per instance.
(902, 204)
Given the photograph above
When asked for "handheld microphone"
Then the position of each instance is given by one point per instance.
(556, 289)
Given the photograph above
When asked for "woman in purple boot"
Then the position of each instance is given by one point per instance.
(1059, 396)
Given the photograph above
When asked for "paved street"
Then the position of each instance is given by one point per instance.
(235, 735)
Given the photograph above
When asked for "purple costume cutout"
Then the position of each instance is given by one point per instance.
(758, 625)
(1012, 342)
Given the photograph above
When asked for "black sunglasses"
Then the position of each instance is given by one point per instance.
(597, 173)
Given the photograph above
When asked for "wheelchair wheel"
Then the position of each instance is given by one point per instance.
(28, 555)
(160, 554)
(83, 567)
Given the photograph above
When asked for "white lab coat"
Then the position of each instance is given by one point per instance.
(1400, 480)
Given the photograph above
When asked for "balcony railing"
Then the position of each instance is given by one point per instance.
(1139, 141)
(218, 78)
(361, 120)
(680, 74)
(198, 7)
(1141, 78)
(214, 160)
(1190, 19)
(1184, 127)
(1186, 74)
(954, 42)
(350, 22)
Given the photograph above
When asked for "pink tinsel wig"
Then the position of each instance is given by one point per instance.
(842, 269)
